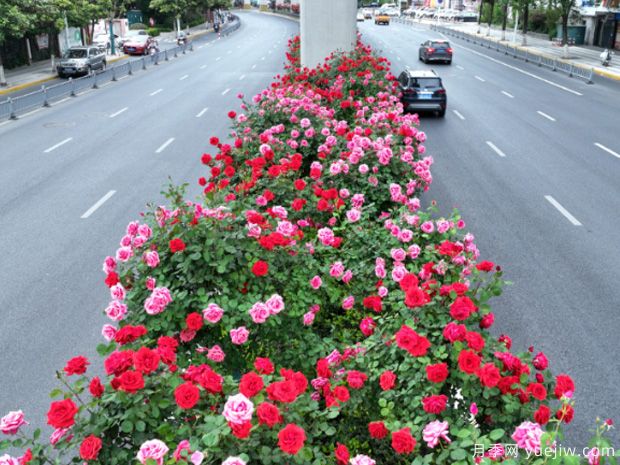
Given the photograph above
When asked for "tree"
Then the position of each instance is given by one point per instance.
(504, 4)
(172, 7)
(565, 8)
(13, 22)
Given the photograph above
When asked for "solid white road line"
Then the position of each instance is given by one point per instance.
(182, 78)
(203, 66)
(479, 78)
(460, 67)
(253, 66)
(562, 210)
(218, 58)
(156, 92)
(242, 77)
(54, 147)
(114, 115)
(164, 145)
(545, 115)
(100, 202)
(202, 112)
(458, 114)
(522, 71)
(507, 94)
(226, 91)
(495, 149)
(602, 147)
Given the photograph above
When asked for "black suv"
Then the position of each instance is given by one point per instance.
(435, 50)
(422, 90)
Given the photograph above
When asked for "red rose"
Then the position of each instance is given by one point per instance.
(475, 341)
(540, 361)
(489, 375)
(187, 395)
(95, 387)
(131, 381)
(177, 245)
(402, 441)
(341, 393)
(437, 373)
(485, 266)
(77, 366)
(563, 384)
(62, 414)
(504, 339)
(409, 281)
(260, 268)
(434, 404)
(342, 454)
(146, 360)
(373, 302)
(377, 429)
(415, 297)
(242, 430)
(487, 321)
(291, 439)
(541, 416)
(462, 308)
(268, 414)
(214, 141)
(232, 114)
(194, 321)
(565, 413)
(469, 362)
(412, 342)
(298, 379)
(264, 366)
(387, 380)
(322, 368)
(26, 458)
(282, 391)
(211, 382)
(300, 184)
(111, 279)
(537, 390)
(251, 384)
(90, 447)
(356, 379)
(128, 334)
(454, 332)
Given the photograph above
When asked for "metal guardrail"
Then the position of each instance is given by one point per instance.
(12, 108)
(553, 63)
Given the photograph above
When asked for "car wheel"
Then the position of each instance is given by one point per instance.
(449, 62)
(61, 75)
(442, 113)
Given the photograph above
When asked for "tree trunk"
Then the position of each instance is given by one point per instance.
(480, 15)
(564, 28)
(2, 78)
(526, 14)
(504, 19)
(492, 3)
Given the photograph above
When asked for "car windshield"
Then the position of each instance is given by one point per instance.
(80, 53)
(440, 45)
(138, 39)
(425, 83)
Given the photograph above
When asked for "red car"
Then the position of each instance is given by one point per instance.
(138, 45)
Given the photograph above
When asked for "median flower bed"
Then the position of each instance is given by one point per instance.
(306, 310)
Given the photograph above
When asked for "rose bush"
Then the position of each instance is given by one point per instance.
(306, 310)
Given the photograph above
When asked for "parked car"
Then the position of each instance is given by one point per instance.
(367, 14)
(360, 16)
(382, 18)
(131, 35)
(435, 50)
(422, 90)
(80, 60)
(138, 45)
(103, 41)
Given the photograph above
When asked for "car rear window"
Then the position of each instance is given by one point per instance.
(425, 83)
(441, 44)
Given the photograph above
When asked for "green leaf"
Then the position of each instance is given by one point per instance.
(126, 426)
(496, 434)
(464, 433)
(56, 393)
(140, 426)
(458, 454)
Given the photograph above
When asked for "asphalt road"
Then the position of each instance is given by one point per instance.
(125, 138)
(517, 145)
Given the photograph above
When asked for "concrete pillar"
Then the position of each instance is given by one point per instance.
(326, 26)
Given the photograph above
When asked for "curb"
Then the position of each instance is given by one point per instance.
(290, 18)
(25, 85)
(607, 74)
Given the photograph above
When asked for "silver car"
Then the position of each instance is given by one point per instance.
(81, 60)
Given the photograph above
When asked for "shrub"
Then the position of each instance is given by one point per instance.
(138, 26)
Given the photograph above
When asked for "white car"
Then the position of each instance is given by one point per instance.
(360, 16)
(103, 41)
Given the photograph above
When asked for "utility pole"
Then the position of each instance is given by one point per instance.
(66, 31)
(112, 42)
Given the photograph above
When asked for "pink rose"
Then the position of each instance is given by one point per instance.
(12, 421)
(398, 273)
(60, 433)
(213, 313)
(398, 254)
(124, 253)
(126, 241)
(216, 354)
(132, 228)
(108, 332)
(348, 302)
(145, 231)
(414, 251)
(6, 459)
(150, 283)
(348, 275)
(316, 282)
(275, 303)
(259, 312)
(354, 215)
(309, 318)
(239, 335)
(527, 436)
(151, 258)
(109, 264)
(139, 241)
(405, 235)
(427, 227)
(435, 431)
(238, 409)
(234, 461)
(336, 270)
(116, 311)
(153, 449)
(362, 460)
(118, 292)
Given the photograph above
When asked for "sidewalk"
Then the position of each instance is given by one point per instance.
(36, 74)
(583, 55)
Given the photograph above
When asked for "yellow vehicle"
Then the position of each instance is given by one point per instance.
(382, 18)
